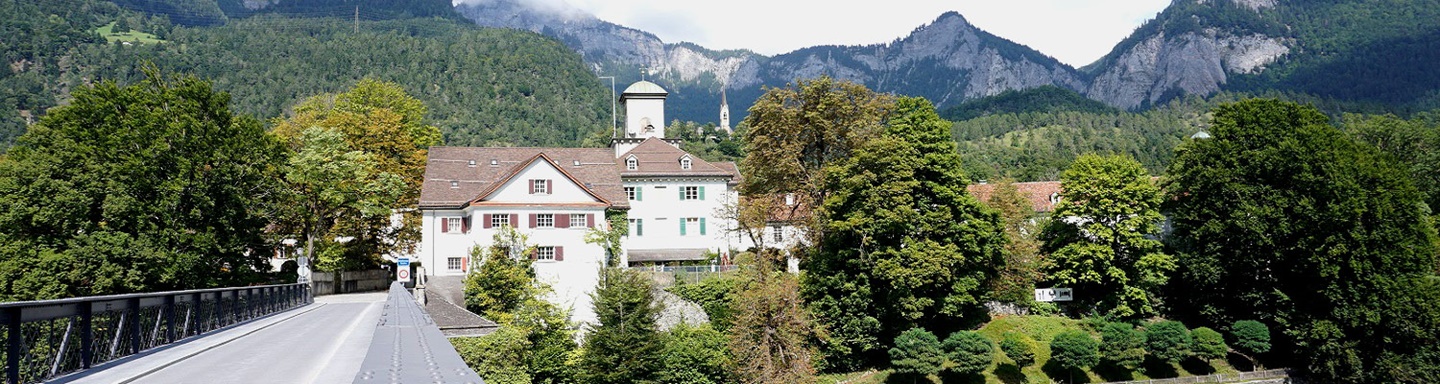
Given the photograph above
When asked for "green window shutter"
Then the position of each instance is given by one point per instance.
(682, 226)
(702, 219)
(639, 193)
(702, 197)
(639, 227)
(682, 192)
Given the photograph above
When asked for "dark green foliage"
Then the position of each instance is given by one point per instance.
(1122, 345)
(626, 346)
(500, 285)
(1281, 217)
(970, 351)
(1042, 99)
(716, 295)
(1208, 344)
(181, 12)
(1414, 143)
(1168, 340)
(1015, 280)
(707, 141)
(695, 355)
(1250, 337)
(1019, 347)
(533, 345)
(1074, 350)
(916, 352)
(154, 186)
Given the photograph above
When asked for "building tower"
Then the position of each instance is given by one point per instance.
(644, 110)
(724, 112)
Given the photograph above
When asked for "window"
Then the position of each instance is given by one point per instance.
(545, 220)
(453, 225)
(577, 220)
(685, 163)
(637, 228)
(631, 163)
(692, 225)
(453, 263)
(692, 193)
(454, 184)
(545, 253)
(499, 219)
(779, 233)
(540, 187)
(632, 193)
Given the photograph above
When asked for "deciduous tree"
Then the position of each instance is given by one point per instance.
(1015, 280)
(771, 336)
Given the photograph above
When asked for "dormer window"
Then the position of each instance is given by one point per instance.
(577, 163)
(494, 162)
(631, 163)
(471, 163)
(1054, 198)
(454, 184)
(685, 162)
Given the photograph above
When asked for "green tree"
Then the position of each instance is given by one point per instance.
(1122, 345)
(1413, 143)
(1015, 280)
(916, 353)
(1280, 217)
(505, 279)
(1168, 340)
(1208, 344)
(970, 351)
(1074, 350)
(772, 332)
(1100, 240)
(906, 244)
(625, 346)
(1019, 347)
(533, 345)
(1250, 338)
(148, 187)
(329, 182)
(609, 236)
(695, 355)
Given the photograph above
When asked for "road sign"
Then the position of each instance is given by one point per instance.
(402, 270)
(1054, 294)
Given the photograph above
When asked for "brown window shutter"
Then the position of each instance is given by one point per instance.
(549, 187)
(464, 264)
(485, 221)
(534, 252)
(559, 253)
(590, 220)
(531, 183)
(444, 225)
(465, 224)
(514, 220)
(532, 220)
(562, 220)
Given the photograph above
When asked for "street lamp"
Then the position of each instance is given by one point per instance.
(613, 122)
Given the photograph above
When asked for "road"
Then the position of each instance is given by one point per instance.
(325, 342)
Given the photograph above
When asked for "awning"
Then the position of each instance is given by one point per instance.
(641, 255)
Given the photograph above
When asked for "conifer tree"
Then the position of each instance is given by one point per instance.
(625, 346)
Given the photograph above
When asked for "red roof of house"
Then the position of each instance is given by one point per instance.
(1043, 195)
(593, 168)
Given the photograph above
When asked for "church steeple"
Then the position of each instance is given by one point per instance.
(724, 112)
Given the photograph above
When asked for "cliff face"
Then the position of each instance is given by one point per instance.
(1161, 66)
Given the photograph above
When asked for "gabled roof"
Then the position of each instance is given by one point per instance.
(540, 157)
(1042, 194)
(597, 172)
(657, 158)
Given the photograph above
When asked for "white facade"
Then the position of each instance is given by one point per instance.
(644, 110)
(679, 214)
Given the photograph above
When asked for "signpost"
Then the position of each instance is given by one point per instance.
(402, 270)
(1054, 294)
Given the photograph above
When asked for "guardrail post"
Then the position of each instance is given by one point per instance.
(133, 306)
(12, 345)
(168, 310)
(87, 335)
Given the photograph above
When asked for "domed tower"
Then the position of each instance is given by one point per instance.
(644, 110)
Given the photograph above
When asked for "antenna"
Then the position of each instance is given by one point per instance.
(644, 71)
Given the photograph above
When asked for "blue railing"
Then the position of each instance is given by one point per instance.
(51, 338)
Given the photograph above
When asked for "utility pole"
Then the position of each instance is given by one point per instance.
(614, 123)
(357, 19)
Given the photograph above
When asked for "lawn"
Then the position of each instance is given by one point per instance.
(131, 36)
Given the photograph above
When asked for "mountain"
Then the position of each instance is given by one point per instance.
(946, 61)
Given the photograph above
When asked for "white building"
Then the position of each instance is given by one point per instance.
(555, 195)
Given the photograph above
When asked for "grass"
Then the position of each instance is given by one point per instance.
(1043, 329)
(133, 36)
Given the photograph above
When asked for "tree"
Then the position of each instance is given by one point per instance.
(609, 235)
(505, 278)
(532, 345)
(1019, 348)
(771, 334)
(1282, 218)
(1168, 341)
(906, 244)
(1411, 142)
(917, 353)
(1122, 345)
(1208, 344)
(1100, 240)
(329, 183)
(149, 187)
(1250, 338)
(695, 355)
(1015, 280)
(1073, 350)
(970, 351)
(625, 346)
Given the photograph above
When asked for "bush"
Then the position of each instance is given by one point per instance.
(1251, 337)
(1019, 347)
(1121, 344)
(498, 357)
(1208, 344)
(1168, 340)
(1074, 350)
(971, 352)
(917, 351)
(695, 355)
(716, 295)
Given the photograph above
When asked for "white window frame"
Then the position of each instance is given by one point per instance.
(630, 193)
(685, 163)
(500, 219)
(635, 226)
(544, 220)
(545, 253)
(691, 193)
(578, 220)
(778, 233)
(454, 225)
(454, 263)
(540, 186)
(631, 163)
(692, 226)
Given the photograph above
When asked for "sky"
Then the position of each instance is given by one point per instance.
(1076, 32)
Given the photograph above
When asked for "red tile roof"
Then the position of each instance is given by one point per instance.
(1043, 195)
(658, 158)
(597, 171)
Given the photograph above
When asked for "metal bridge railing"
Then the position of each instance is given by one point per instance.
(51, 338)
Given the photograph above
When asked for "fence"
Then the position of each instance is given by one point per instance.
(49, 338)
(330, 283)
(1216, 378)
(669, 275)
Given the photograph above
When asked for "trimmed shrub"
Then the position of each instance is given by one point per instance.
(1019, 347)
(917, 351)
(1168, 340)
(1123, 345)
(971, 352)
(1208, 344)
(1074, 350)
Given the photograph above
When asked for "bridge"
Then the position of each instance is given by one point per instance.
(268, 334)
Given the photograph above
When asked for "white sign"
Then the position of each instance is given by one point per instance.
(402, 270)
(1054, 294)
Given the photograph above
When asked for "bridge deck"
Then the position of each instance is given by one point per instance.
(325, 342)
